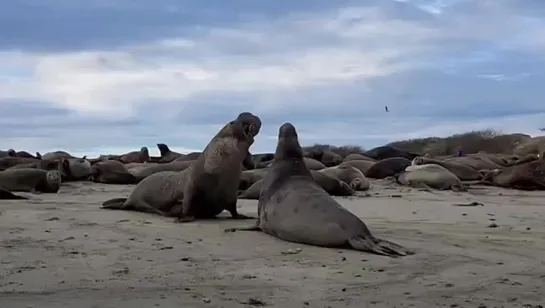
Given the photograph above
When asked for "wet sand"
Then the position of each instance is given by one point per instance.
(61, 250)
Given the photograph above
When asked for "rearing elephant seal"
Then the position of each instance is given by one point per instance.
(293, 207)
(214, 178)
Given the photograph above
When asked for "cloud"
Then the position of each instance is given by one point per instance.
(113, 76)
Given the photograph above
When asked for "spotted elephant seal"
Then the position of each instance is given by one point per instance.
(463, 172)
(293, 207)
(387, 167)
(331, 185)
(31, 180)
(348, 174)
(141, 156)
(111, 172)
(430, 176)
(166, 154)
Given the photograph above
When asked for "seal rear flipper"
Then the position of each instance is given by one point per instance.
(114, 204)
(378, 246)
(8, 195)
(163, 149)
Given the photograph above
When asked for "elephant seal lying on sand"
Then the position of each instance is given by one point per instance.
(111, 172)
(141, 156)
(430, 176)
(527, 176)
(463, 172)
(387, 167)
(31, 180)
(348, 174)
(293, 207)
(331, 185)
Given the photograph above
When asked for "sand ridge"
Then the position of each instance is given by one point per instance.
(62, 250)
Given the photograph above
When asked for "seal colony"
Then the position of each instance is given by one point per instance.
(294, 187)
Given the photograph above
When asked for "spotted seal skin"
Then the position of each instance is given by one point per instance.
(31, 180)
(212, 186)
(293, 207)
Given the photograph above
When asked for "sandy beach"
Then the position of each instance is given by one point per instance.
(61, 250)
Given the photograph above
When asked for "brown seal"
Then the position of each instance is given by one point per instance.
(293, 207)
(463, 172)
(356, 156)
(526, 176)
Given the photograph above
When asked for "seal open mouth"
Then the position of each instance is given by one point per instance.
(249, 129)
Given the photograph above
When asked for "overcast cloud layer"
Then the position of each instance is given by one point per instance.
(110, 76)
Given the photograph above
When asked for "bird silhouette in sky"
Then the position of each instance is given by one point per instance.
(386, 108)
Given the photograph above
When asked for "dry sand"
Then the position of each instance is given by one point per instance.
(61, 250)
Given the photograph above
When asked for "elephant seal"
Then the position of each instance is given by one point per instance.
(75, 169)
(311, 163)
(8, 153)
(11, 161)
(331, 185)
(142, 172)
(387, 167)
(214, 178)
(190, 156)
(156, 194)
(25, 154)
(171, 193)
(39, 164)
(166, 154)
(361, 165)
(384, 152)
(111, 172)
(141, 156)
(56, 155)
(31, 180)
(430, 176)
(293, 207)
(463, 172)
(356, 156)
(8, 195)
(475, 162)
(326, 157)
(527, 176)
(249, 177)
(348, 174)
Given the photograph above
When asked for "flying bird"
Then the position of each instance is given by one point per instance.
(386, 108)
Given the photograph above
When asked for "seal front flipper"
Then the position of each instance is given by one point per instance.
(378, 246)
(114, 204)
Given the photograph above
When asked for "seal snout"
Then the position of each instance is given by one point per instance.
(287, 130)
(251, 122)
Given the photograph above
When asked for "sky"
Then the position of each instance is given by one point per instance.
(110, 76)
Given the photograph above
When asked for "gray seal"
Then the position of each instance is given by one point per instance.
(293, 207)
(31, 180)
